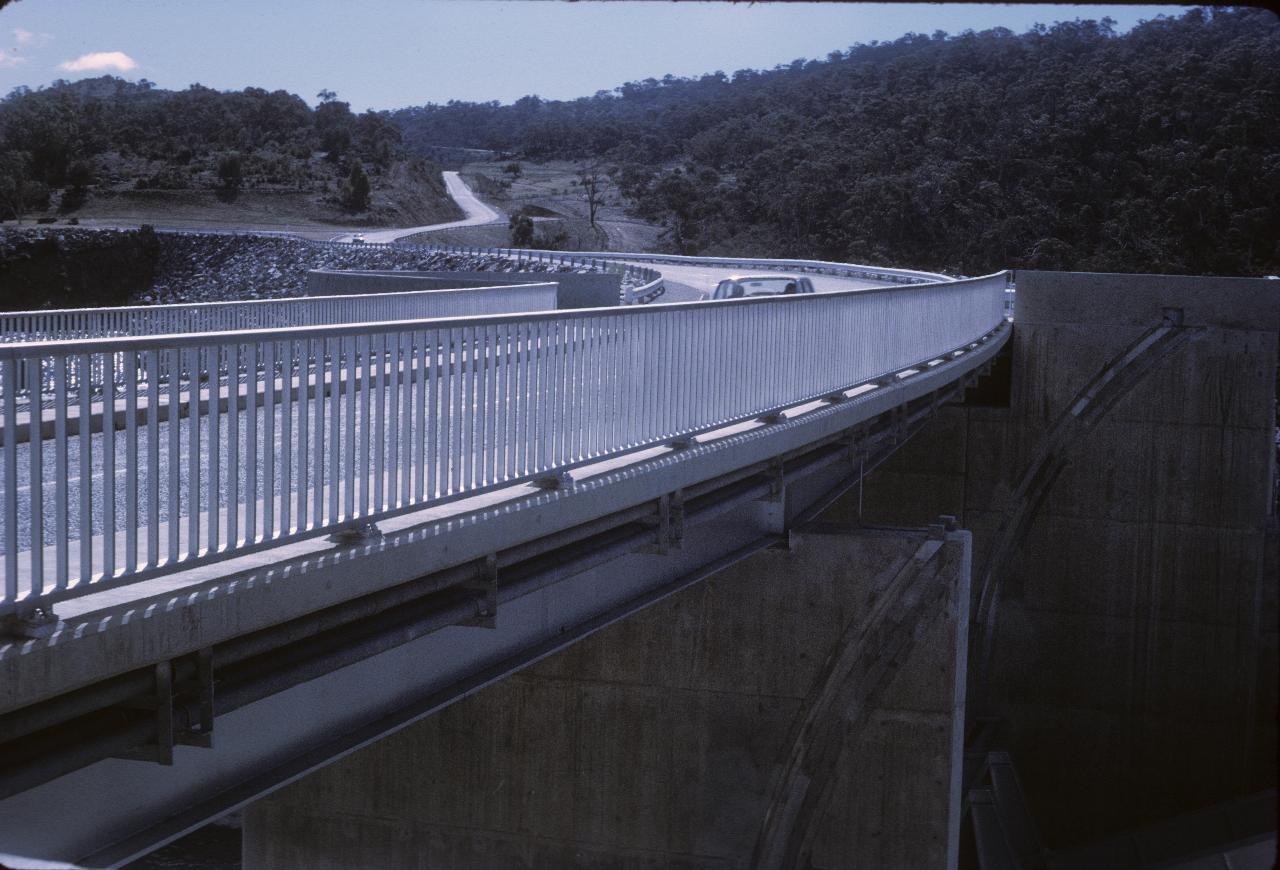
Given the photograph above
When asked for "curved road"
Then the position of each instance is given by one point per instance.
(683, 283)
(477, 214)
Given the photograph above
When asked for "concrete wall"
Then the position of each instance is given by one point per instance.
(585, 290)
(1134, 658)
(831, 675)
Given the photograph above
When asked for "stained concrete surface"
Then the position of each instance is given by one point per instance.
(1134, 660)
(659, 741)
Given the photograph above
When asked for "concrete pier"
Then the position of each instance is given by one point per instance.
(1132, 643)
(806, 705)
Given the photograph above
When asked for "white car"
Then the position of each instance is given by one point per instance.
(357, 239)
(740, 286)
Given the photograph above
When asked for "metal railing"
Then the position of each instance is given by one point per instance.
(135, 320)
(76, 323)
(649, 281)
(237, 441)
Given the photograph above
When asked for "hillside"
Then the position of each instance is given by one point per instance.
(108, 151)
(1067, 147)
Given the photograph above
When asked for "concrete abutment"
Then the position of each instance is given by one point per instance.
(805, 704)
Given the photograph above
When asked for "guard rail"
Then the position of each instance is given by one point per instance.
(344, 424)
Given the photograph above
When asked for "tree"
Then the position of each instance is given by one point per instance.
(18, 190)
(521, 226)
(355, 190)
(230, 176)
(514, 170)
(334, 123)
(591, 179)
(79, 177)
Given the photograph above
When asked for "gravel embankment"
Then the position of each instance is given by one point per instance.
(199, 268)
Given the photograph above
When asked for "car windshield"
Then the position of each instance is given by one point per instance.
(757, 287)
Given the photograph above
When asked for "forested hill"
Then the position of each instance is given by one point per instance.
(1064, 147)
(105, 138)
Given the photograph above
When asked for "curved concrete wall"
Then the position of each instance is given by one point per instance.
(576, 290)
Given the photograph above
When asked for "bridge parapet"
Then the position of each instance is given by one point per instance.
(297, 431)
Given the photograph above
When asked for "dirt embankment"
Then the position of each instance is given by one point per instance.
(81, 268)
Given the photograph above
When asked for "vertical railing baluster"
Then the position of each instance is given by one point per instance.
(480, 409)
(420, 433)
(379, 423)
(502, 428)
(151, 362)
(304, 433)
(435, 412)
(84, 439)
(60, 483)
(252, 382)
(35, 457)
(333, 346)
(288, 365)
(9, 383)
(132, 519)
(191, 365)
(269, 441)
(213, 449)
(108, 466)
(317, 483)
(349, 474)
(173, 359)
(456, 402)
(365, 367)
(393, 421)
(233, 445)
(543, 396)
(404, 341)
(466, 458)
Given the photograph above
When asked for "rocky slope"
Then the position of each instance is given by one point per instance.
(70, 268)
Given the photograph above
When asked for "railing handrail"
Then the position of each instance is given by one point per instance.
(234, 303)
(26, 328)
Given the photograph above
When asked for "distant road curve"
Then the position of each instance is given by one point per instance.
(685, 283)
(477, 214)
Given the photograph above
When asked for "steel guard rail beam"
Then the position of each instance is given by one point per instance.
(368, 420)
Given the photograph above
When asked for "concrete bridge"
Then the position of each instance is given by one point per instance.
(246, 543)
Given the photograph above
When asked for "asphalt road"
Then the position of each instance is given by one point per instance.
(686, 283)
(477, 213)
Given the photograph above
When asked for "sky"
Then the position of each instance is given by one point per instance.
(385, 54)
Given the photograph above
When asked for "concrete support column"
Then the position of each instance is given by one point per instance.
(803, 708)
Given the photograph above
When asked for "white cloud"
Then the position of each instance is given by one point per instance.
(25, 38)
(8, 60)
(100, 61)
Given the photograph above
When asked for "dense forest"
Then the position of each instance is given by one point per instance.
(1064, 147)
(72, 138)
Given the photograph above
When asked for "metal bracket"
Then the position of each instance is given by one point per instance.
(668, 524)
(684, 443)
(946, 523)
(485, 587)
(355, 533)
(161, 703)
(561, 481)
(777, 482)
(203, 737)
(32, 624)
